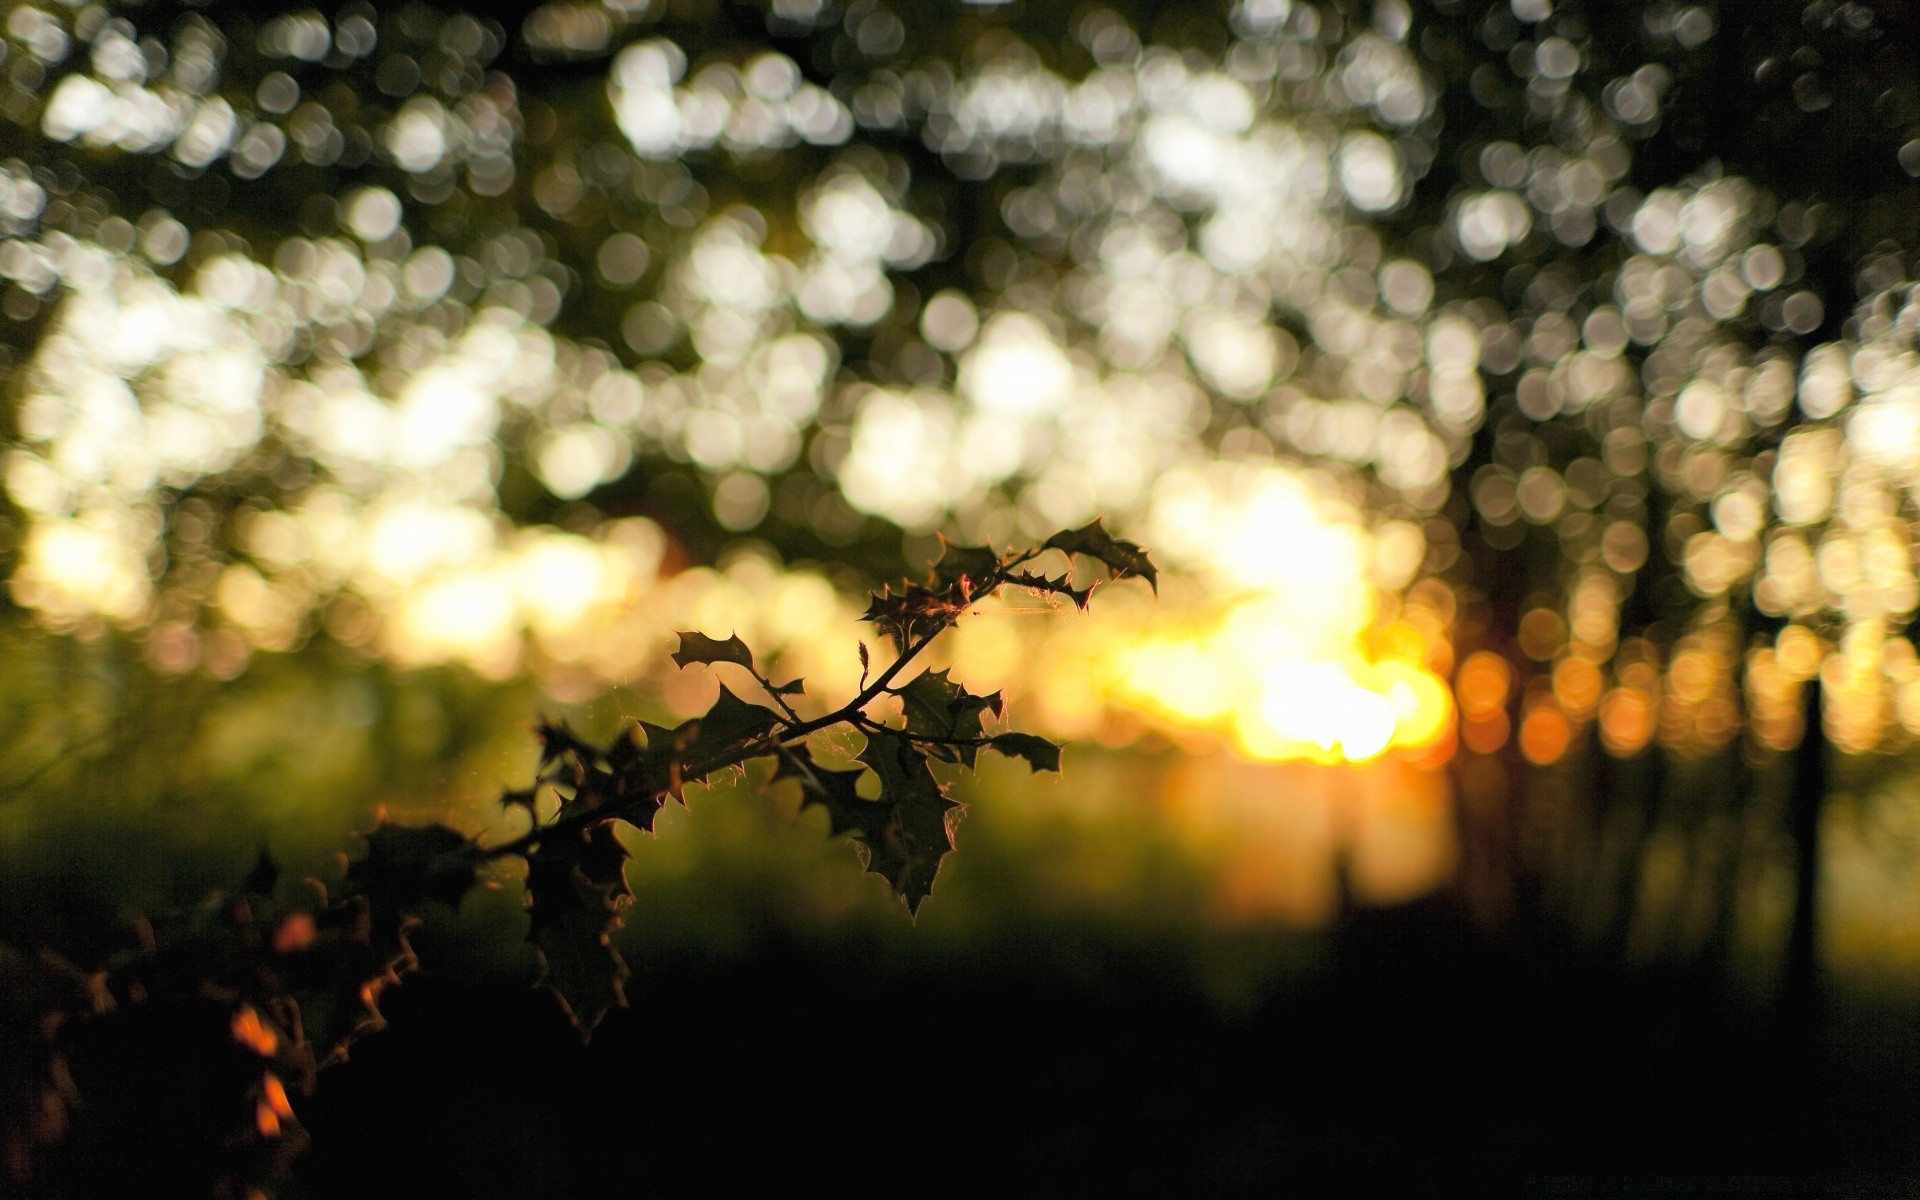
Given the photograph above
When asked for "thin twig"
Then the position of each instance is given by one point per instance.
(767, 686)
(873, 726)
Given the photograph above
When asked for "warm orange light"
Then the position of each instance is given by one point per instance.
(1577, 685)
(1293, 646)
(266, 1120)
(294, 934)
(1184, 676)
(1421, 704)
(1545, 735)
(1692, 675)
(1626, 721)
(274, 1094)
(1315, 711)
(253, 1033)
(1278, 692)
(1400, 642)
(1484, 682)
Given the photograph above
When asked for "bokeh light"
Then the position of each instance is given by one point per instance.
(1472, 435)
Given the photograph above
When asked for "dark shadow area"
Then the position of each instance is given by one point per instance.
(1423, 1061)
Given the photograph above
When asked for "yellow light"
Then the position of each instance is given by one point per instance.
(1182, 678)
(1270, 633)
(559, 578)
(468, 616)
(1422, 707)
(1317, 711)
(72, 568)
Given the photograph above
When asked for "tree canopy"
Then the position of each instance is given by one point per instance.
(1595, 310)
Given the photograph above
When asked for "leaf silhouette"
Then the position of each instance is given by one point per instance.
(965, 566)
(937, 707)
(729, 725)
(1121, 557)
(406, 866)
(577, 895)
(1041, 754)
(663, 771)
(558, 741)
(847, 810)
(629, 780)
(699, 648)
(909, 846)
(914, 612)
(1061, 586)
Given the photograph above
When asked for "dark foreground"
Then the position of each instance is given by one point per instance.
(1410, 1058)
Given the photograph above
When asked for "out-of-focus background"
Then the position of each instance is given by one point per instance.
(1520, 398)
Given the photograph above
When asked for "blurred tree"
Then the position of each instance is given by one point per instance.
(403, 334)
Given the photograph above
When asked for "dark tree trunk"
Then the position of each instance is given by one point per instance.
(1800, 996)
(1801, 979)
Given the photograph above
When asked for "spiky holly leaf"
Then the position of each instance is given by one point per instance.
(577, 895)
(937, 707)
(835, 791)
(557, 741)
(578, 961)
(406, 866)
(915, 837)
(663, 774)
(969, 568)
(1061, 586)
(1041, 754)
(662, 742)
(797, 687)
(625, 751)
(338, 980)
(405, 869)
(728, 726)
(640, 779)
(699, 648)
(1123, 558)
(913, 613)
(587, 796)
(624, 778)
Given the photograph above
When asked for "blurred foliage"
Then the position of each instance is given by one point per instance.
(1520, 387)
